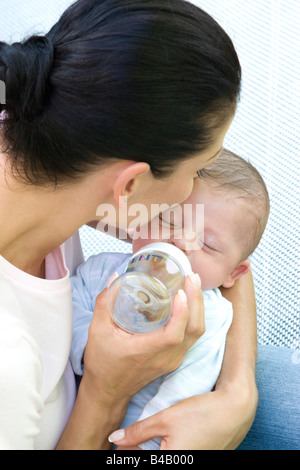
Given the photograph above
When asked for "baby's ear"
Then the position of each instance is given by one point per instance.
(238, 272)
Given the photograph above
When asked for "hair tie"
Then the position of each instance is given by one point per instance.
(25, 69)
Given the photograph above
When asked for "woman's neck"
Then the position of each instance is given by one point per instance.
(28, 232)
(35, 220)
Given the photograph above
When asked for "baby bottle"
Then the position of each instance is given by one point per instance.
(140, 300)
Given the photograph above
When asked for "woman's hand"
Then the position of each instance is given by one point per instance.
(218, 420)
(118, 364)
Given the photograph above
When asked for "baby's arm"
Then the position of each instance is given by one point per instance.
(90, 280)
(82, 316)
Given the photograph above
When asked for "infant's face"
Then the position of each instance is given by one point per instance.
(213, 248)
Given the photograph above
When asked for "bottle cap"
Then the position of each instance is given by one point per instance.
(178, 256)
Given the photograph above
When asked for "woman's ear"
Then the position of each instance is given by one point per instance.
(129, 179)
(238, 272)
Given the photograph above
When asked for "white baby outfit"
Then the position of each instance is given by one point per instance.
(201, 366)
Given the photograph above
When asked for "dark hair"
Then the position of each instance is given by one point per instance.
(142, 80)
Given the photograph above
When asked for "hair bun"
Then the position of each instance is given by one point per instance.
(25, 69)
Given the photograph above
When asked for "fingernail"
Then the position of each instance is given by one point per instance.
(183, 297)
(117, 435)
(195, 280)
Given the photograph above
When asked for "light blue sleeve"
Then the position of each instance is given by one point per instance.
(201, 366)
(89, 281)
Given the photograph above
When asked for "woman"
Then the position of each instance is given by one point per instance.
(122, 98)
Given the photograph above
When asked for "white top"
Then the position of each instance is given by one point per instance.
(37, 387)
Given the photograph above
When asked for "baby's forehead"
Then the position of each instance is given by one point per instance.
(242, 211)
(236, 215)
(224, 192)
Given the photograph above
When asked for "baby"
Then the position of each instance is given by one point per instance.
(236, 210)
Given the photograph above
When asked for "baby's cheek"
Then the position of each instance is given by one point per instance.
(206, 273)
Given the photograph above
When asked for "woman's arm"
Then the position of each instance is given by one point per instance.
(92, 420)
(221, 419)
(239, 362)
(237, 378)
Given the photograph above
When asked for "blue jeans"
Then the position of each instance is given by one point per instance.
(277, 422)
